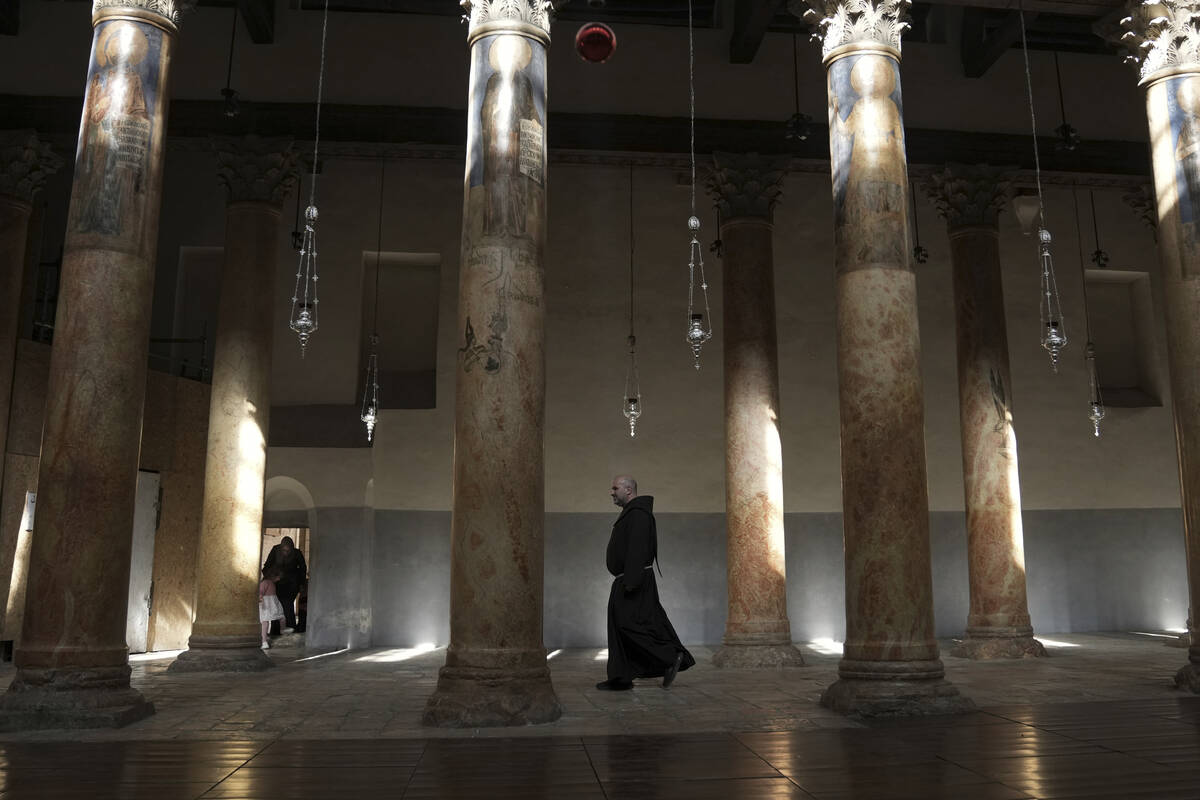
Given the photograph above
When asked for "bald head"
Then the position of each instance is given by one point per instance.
(624, 489)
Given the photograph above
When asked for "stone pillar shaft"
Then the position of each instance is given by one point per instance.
(71, 663)
(257, 175)
(14, 230)
(1173, 112)
(24, 164)
(757, 630)
(495, 671)
(226, 632)
(890, 662)
(996, 554)
(998, 623)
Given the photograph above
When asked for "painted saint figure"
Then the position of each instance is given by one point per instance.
(1186, 121)
(507, 103)
(115, 138)
(869, 193)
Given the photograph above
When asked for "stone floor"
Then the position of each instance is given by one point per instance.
(381, 692)
(1097, 719)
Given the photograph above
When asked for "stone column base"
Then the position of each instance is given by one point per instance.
(475, 697)
(985, 647)
(98, 697)
(895, 698)
(1188, 678)
(757, 656)
(222, 654)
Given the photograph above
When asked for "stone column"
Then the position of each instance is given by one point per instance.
(495, 671)
(890, 662)
(25, 161)
(257, 175)
(1164, 40)
(998, 626)
(71, 661)
(757, 631)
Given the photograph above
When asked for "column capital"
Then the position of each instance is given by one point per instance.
(967, 194)
(1144, 204)
(168, 9)
(255, 170)
(1162, 34)
(836, 23)
(747, 184)
(489, 16)
(25, 162)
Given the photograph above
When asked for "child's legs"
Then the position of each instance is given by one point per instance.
(265, 626)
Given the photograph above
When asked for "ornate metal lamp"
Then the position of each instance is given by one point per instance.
(699, 325)
(305, 316)
(1054, 330)
(370, 406)
(632, 399)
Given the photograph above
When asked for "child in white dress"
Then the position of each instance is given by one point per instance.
(269, 607)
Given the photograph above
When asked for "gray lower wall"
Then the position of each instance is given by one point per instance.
(389, 583)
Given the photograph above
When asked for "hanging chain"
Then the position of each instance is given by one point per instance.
(1095, 399)
(699, 326)
(320, 89)
(1054, 332)
(378, 247)
(305, 317)
(631, 402)
(692, 101)
(1037, 161)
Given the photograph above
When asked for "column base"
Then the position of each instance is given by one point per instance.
(478, 697)
(866, 698)
(757, 656)
(894, 689)
(222, 654)
(986, 647)
(93, 697)
(1188, 676)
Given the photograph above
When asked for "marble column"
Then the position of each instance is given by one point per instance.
(890, 663)
(257, 175)
(25, 162)
(495, 671)
(998, 626)
(757, 631)
(1164, 41)
(72, 668)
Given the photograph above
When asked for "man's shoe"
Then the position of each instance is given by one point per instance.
(614, 685)
(672, 670)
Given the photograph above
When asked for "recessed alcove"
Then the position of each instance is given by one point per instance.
(1121, 309)
(407, 326)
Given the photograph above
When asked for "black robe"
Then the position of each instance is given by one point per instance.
(641, 641)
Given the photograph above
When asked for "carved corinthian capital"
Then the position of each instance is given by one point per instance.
(170, 9)
(970, 195)
(1160, 34)
(25, 161)
(840, 22)
(477, 13)
(746, 185)
(255, 170)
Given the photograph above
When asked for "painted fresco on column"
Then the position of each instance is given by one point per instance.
(866, 145)
(112, 161)
(1183, 109)
(506, 192)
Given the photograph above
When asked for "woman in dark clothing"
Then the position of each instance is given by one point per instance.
(295, 574)
(641, 641)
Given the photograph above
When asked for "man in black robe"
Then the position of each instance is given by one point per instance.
(295, 574)
(641, 641)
